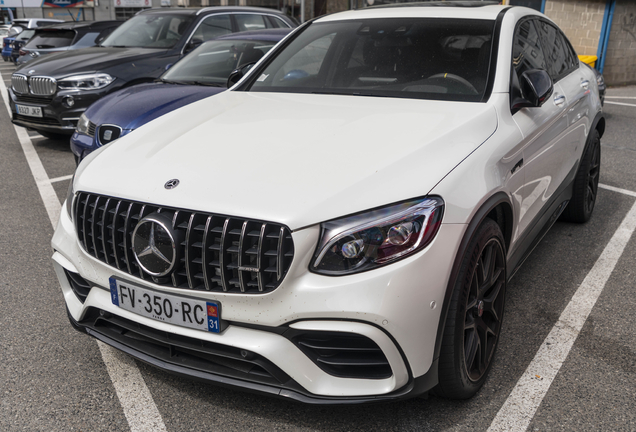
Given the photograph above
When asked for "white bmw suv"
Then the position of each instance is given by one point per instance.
(340, 226)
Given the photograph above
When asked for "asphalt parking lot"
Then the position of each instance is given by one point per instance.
(557, 368)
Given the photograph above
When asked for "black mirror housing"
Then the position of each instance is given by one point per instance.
(239, 73)
(536, 86)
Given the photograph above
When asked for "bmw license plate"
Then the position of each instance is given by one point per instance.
(29, 111)
(177, 310)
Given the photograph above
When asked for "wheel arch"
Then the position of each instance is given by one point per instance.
(498, 208)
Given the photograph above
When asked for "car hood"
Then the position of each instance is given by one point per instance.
(60, 65)
(290, 158)
(134, 106)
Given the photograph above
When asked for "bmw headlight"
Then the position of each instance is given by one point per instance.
(372, 239)
(82, 124)
(85, 82)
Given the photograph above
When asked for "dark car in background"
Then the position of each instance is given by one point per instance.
(64, 37)
(49, 94)
(18, 42)
(200, 74)
(17, 27)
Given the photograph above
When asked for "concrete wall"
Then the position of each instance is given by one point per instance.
(620, 63)
(580, 20)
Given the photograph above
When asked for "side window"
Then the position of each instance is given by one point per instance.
(246, 22)
(88, 40)
(276, 22)
(557, 50)
(212, 27)
(526, 50)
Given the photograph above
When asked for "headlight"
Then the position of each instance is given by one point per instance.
(82, 124)
(372, 239)
(69, 198)
(85, 82)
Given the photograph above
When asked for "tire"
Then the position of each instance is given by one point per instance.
(585, 188)
(475, 315)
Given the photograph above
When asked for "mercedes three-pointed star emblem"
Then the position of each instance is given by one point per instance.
(154, 245)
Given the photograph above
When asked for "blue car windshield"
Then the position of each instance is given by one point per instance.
(149, 31)
(212, 62)
(419, 58)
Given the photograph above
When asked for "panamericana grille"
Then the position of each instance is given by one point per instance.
(219, 253)
(36, 85)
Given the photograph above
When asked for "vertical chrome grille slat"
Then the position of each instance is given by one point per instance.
(188, 263)
(19, 83)
(85, 222)
(241, 251)
(280, 255)
(126, 223)
(218, 253)
(93, 225)
(259, 258)
(224, 283)
(114, 236)
(204, 253)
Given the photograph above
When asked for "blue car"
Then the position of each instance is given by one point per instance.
(11, 45)
(201, 74)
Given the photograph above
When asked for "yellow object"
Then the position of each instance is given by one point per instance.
(589, 59)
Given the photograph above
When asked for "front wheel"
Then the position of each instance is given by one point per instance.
(475, 315)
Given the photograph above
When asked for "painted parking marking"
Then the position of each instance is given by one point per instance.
(134, 396)
(524, 400)
(615, 189)
(620, 103)
(620, 97)
(62, 178)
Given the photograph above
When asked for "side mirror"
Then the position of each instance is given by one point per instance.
(239, 73)
(192, 45)
(536, 87)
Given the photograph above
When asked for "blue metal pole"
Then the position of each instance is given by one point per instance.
(608, 30)
(601, 39)
(543, 6)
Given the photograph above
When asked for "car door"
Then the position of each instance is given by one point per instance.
(543, 129)
(575, 86)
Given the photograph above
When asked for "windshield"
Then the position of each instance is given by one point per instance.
(427, 58)
(51, 39)
(212, 62)
(149, 31)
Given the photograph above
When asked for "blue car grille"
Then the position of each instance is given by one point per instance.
(218, 253)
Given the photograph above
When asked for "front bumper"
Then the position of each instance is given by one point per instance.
(57, 116)
(397, 307)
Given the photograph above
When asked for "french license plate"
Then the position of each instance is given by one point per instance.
(177, 310)
(30, 111)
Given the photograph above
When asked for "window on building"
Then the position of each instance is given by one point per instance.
(122, 14)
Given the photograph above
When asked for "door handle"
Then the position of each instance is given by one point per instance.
(559, 100)
(585, 84)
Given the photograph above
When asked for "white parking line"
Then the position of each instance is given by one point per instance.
(524, 400)
(59, 179)
(134, 396)
(620, 103)
(620, 97)
(615, 189)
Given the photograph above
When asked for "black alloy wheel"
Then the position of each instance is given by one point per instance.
(585, 188)
(484, 310)
(475, 315)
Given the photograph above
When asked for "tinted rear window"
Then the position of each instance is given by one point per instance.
(51, 39)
